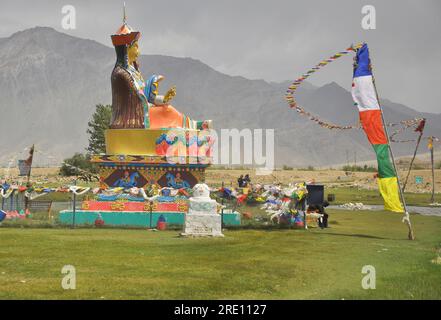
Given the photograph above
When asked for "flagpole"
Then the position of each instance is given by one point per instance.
(406, 218)
(432, 199)
(413, 159)
(28, 182)
(30, 167)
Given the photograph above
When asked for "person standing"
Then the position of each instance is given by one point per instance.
(321, 210)
(240, 181)
(246, 180)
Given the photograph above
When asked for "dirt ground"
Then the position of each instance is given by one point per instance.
(38, 175)
(215, 177)
(329, 177)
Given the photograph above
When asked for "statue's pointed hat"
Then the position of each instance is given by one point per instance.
(125, 35)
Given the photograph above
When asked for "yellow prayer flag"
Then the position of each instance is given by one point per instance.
(430, 143)
(389, 190)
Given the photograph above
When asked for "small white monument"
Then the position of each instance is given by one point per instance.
(202, 218)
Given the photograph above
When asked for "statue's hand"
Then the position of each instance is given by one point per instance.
(170, 94)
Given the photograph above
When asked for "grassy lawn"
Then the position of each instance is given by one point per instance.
(345, 195)
(246, 264)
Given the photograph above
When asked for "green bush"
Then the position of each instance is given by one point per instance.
(73, 166)
(364, 168)
(308, 168)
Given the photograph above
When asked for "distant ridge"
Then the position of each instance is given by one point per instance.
(50, 83)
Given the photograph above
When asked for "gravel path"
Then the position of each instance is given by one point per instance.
(425, 211)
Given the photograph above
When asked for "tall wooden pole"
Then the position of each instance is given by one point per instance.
(406, 217)
(28, 180)
(30, 166)
(151, 214)
(222, 203)
(413, 159)
(74, 200)
(430, 144)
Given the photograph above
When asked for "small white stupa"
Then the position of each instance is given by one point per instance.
(202, 218)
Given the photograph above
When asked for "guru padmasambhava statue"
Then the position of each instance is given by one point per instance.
(136, 103)
(149, 141)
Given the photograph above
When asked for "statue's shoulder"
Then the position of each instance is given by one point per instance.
(120, 73)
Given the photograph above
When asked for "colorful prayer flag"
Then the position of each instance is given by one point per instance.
(24, 166)
(365, 98)
(430, 143)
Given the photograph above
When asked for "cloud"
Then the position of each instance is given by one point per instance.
(272, 40)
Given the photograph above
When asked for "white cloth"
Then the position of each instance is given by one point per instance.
(363, 93)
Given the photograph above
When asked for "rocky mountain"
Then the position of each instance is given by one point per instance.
(50, 83)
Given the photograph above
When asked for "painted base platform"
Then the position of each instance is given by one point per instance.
(202, 225)
(172, 157)
(139, 219)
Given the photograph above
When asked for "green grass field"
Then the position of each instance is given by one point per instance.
(246, 264)
(345, 195)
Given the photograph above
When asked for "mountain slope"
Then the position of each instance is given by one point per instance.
(50, 83)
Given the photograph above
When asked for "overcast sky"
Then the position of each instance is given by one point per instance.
(272, 40)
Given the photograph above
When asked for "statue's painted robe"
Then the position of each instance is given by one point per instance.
(127, 107)
(132, 110)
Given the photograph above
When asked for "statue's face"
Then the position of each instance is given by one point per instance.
(133, 51)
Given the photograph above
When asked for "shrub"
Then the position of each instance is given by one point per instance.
(364, 168)
(73, 166)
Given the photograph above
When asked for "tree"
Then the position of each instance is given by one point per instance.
(100, 122)
(78, 165)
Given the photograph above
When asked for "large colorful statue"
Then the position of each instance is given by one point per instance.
(136, 104)
(154, 154)
(148, 141)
